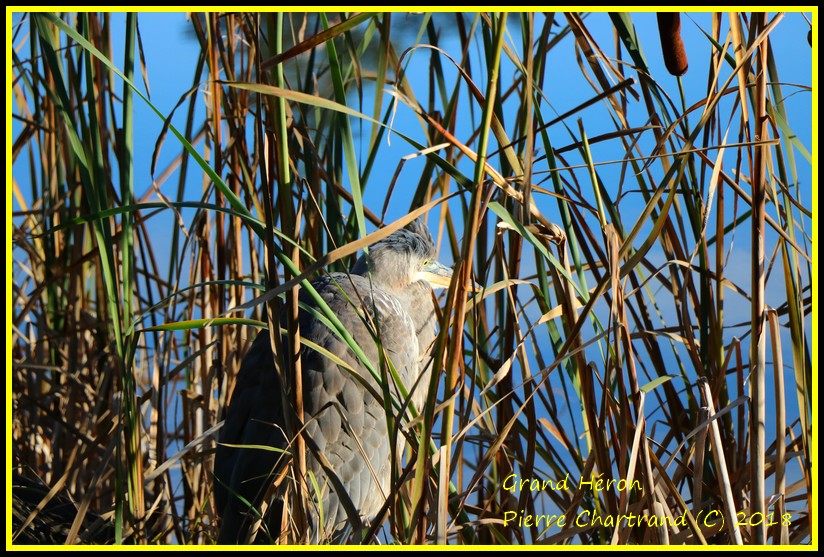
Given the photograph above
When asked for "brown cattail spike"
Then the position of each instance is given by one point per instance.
(675, 57)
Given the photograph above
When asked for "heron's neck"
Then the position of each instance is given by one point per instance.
(416, 299)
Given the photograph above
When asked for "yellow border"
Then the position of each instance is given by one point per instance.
(9, 274)
(813, 10)
(397, 9)
(813, 305)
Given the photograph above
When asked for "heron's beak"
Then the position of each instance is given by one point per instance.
(439, 275)
(436, 274)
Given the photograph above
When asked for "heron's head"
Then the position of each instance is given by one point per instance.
(403, 258)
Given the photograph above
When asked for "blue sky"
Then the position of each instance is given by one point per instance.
(171, 51)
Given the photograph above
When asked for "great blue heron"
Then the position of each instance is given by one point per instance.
(386, 301)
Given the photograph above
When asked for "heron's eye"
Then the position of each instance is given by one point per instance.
(425, 263)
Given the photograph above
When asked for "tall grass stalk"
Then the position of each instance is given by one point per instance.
(608, 229)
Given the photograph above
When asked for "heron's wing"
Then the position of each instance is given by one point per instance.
(346, 421)
(345, 417)
(254, 419)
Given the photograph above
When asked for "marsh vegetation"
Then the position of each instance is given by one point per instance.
(644, 243)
